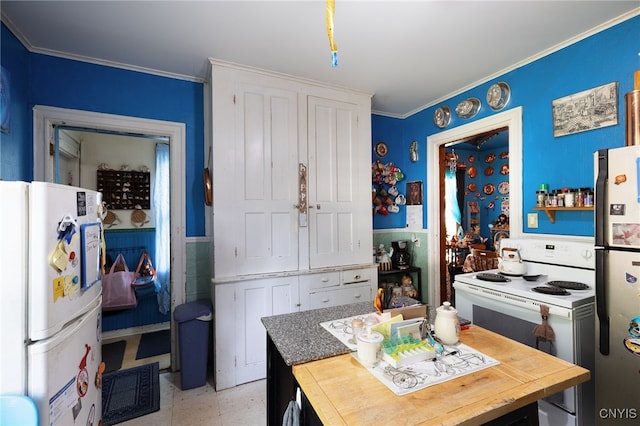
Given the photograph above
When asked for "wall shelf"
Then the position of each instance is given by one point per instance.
(551, 211)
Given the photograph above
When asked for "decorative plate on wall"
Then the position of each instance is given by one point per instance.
(488, 189)
(488, 171)
(468, 108)
(503, 187)
(472, 172)
(381, 149)
(498, 95)
(472, 187)
(442, 116)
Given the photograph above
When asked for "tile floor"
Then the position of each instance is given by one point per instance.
(244, 405)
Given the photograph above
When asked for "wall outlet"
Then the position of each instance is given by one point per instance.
(532, 220)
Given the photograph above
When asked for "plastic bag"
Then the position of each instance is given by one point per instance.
(145, 275)
(117, 292)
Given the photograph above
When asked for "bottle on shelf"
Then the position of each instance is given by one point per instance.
(569, 197)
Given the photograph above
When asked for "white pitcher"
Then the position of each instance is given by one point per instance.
(446, 326)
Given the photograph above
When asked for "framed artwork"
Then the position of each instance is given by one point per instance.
(588, 110)
(414, 193)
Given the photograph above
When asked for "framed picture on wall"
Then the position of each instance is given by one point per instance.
(414, 193)
(587, 110)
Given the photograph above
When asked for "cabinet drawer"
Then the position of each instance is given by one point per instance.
(327, 279)
(355, 275)
(340, 296)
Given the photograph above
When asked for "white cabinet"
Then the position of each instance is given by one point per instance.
(264, 127)
(240, 349)
(340, 230)
(255, 160)
(323, 290)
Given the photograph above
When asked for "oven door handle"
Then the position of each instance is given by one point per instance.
(601, 301)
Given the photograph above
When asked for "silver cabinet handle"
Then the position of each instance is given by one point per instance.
(317, 206)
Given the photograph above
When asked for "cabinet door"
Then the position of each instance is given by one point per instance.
(255, 151)
(256, 299)
(339, 184)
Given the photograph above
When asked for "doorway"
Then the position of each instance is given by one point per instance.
(46, 119)
(511, 120)
(475, 205)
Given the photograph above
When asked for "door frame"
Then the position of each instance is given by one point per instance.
(513, 120)
(44, 119)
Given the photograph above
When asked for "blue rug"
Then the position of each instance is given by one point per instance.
(130, 393)
(153, 344)
(112, 355)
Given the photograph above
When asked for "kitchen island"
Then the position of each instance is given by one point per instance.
(338, 390)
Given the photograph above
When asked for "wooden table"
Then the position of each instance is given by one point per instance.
(342, 392)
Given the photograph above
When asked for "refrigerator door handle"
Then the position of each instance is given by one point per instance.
(601, 301)
(601, 196)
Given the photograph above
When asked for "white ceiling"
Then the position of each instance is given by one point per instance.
(409, 54)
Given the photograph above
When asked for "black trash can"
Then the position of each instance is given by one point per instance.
(194, 319)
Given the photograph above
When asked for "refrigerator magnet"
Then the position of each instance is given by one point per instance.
(634, 327)
(633, 345)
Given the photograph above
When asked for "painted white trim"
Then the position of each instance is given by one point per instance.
(513, 120)
(44, 117)
(595, 30)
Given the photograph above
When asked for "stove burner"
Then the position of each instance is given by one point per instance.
(569, 285)
(550, 289)
(486, 276)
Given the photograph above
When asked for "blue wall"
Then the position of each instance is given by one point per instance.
(15, 161)
(46, 80)
(611, 55)
(567, 161)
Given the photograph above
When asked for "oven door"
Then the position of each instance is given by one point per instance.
(506, 317)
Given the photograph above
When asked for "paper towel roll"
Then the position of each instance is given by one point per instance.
(632, 103)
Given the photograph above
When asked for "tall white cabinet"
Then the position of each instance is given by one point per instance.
(292, 222)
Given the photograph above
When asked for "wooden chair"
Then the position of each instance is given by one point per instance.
(483, 260)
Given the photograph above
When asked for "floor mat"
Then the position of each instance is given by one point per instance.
(113, 354)
(152, 344)
(130, 393)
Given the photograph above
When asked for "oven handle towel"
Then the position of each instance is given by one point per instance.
(544, 331)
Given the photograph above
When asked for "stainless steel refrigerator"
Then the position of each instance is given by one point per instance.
(617, 240)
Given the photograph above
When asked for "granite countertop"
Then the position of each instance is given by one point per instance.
(300, 338)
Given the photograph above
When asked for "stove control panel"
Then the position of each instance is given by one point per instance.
(557, 252)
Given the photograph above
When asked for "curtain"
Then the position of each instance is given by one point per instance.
(452, 209)
(162, 209)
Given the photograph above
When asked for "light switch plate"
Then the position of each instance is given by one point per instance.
(532, 220)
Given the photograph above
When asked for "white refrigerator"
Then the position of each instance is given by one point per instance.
(617, 240)
(51, 300)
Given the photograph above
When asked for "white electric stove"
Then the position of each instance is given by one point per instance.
(513, 309)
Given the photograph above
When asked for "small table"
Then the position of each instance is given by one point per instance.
(342, 392)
